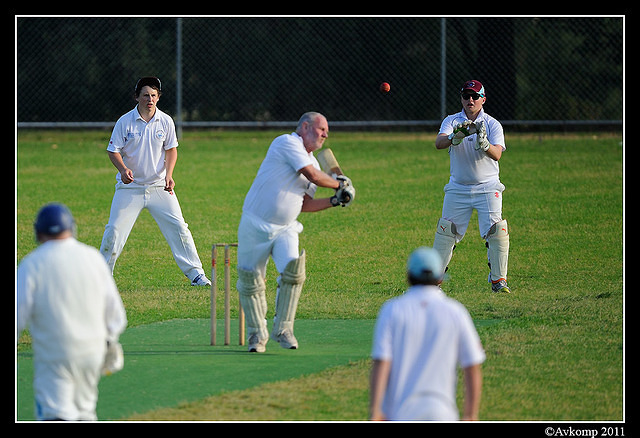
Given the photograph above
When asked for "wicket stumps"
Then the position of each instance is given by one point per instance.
(227, 293)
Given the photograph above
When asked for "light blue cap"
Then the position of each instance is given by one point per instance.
(425, 262)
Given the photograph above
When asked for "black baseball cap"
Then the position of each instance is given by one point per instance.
(151, 81)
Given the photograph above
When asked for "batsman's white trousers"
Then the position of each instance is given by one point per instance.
(460, 201)
(257, 240)
(128, 201)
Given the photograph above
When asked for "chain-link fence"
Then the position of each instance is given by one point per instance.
(224, 71)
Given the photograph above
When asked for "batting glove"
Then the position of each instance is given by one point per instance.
(114, 358)
(344, 180)
(344, 195)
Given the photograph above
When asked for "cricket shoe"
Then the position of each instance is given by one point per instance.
(286, 339)
(201, 280)
(256, 345)
(500, 287)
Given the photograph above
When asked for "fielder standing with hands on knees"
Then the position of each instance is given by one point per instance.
(284, 187)
(475, 141)
(143, 147)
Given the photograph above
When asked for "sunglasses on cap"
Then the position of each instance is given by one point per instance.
(475, 96)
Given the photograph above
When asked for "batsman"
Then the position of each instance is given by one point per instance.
(284, 187)
(475, 141)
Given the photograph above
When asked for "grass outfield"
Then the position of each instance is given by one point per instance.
(557, 353)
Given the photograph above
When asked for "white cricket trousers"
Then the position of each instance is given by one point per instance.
(460, 201)
(128, 201)
(67, 389)
(258, 240)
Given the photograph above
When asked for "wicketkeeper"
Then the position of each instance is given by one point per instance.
(475, 141)
(284, 187)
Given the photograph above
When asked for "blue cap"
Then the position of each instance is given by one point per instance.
(425, 264)
(53, 219)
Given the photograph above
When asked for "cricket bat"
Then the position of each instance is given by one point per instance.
(328, 162)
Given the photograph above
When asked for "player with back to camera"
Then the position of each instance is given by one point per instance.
(475, 141)
(143, 147)
(284, 187)
(420, 339)
(68, 300)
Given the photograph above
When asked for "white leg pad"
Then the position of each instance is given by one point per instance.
(445, 240)
(291, 282)
(498, 250)
(251, 291)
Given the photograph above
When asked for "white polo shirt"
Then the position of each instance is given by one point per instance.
(277, 193)
(68, 299)
(425, 335)
(469, 166)
(142, 145)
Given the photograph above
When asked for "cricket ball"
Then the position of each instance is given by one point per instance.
(385, 87)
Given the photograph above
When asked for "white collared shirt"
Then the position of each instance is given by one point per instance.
(68, 299)
(143, 144)
(426, 336)
(469, 166)
(278, 190)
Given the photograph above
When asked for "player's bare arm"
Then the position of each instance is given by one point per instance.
(473, 390)
(319, 178)
(311, 205)
(378, 380)
(442, 141)
(170, 159)
(126, 174)
(494, 152)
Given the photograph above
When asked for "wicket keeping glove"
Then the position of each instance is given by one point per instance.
(462, 130)
(482, 143)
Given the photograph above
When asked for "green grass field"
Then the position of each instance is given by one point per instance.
(555, 349)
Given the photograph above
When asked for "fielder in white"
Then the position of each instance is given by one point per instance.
(284, 187)
(420, 339)
(143, 147)
(475, 141)
(68, 300)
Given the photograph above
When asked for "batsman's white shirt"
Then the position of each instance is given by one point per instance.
(278, 190)
(469, 166)
(425, 335)
(269, 226)
(142, 145)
